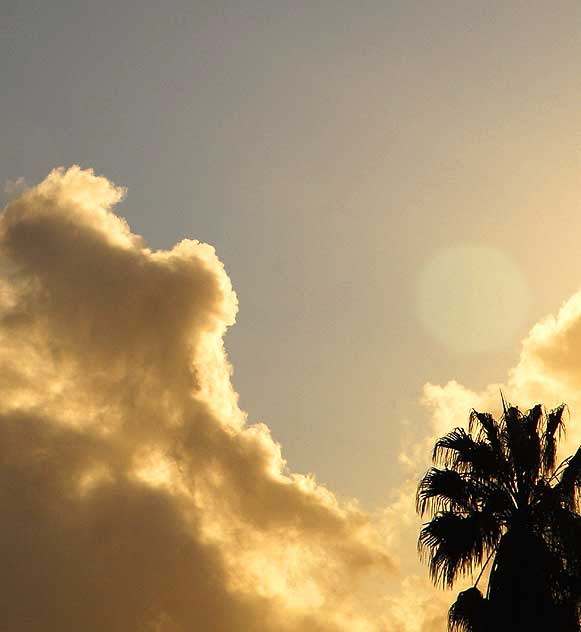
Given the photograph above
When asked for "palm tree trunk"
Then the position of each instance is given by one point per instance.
(519, 596)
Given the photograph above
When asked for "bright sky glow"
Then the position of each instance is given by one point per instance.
(472, 298)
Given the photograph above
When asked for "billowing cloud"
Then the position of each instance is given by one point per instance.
(135, 495)
(548, 371)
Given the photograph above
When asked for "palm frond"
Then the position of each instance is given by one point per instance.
(469, 612)
(486, 426)
(562, 534)
(531, 423)
(554, 426)
(570, 480)
(546, 500)
(447, 448)
(455, 544)
(523, 445)
(533, 419)
(515, 435)
(497, 499)
(444, 490)
(459, 451)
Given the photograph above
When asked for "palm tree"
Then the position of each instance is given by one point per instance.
(498, 502)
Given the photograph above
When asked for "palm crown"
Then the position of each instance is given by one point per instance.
(497, 495)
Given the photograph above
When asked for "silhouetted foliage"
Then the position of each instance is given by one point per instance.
(498, 501)
(468, 612)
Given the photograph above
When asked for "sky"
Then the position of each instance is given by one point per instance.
(392, 192)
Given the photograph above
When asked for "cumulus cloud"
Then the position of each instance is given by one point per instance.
(135, 494)
(12, 188)
(548, 371)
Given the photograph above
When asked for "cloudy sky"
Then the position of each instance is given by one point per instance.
(254, 257)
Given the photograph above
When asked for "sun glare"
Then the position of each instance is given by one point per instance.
(472, 298)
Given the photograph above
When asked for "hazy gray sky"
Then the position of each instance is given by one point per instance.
(341, 157)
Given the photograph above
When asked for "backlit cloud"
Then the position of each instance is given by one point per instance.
(135, 495)
(548, 371)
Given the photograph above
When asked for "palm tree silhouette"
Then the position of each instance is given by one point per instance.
(499, 502)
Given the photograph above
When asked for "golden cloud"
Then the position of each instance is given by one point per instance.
(135, 495)
(548, 371)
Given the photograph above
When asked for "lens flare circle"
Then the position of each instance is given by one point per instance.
(472, 298)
